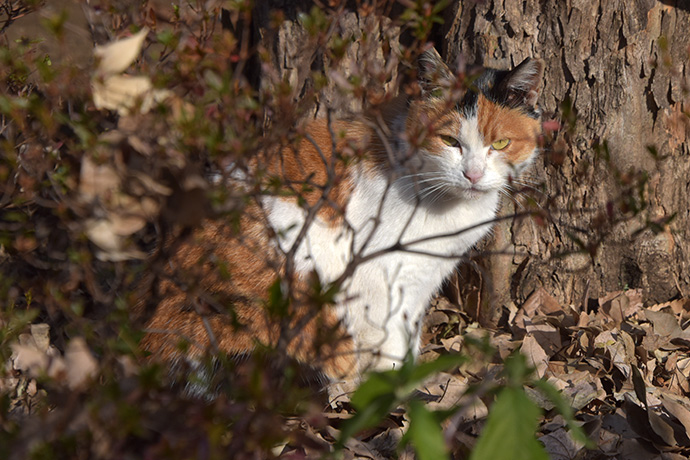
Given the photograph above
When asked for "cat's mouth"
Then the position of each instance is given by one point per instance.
(474, 191)
(471, 192)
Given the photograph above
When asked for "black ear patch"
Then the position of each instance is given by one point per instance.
(520, 86)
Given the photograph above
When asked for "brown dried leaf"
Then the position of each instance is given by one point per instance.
(650, 425)
(97, 180)
(453, 344)
(123, 93)
(621, 305)
(549, 337)
(677, 406)
(680, 307)
(41, 336)
(662, 428)
(638, 420)
(116, 56)
(102, 233)
(665, 324)
(542, 302)
(126, 224)
(620, 348)
(81, 365)
(152, 185)
(35, 360)
(536, 356)
(448, 389)
(560, 445)
(503, 343)
(358, 448)
(27, 357)
(539, 303)
(632, 449)
(579, 387)
(435, 318)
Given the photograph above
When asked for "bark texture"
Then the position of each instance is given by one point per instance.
(622, 65)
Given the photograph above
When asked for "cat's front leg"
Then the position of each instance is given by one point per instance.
(402, 340)
(385, 330)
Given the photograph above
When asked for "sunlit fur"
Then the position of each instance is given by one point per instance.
(390, 226)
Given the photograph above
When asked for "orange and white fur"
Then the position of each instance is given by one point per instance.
(420, 187)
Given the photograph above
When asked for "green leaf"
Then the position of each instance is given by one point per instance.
(509, 432)
(425, 433)
(517, 370)
(367, 416)
(383, 391)
(377, 385)
(441, 364)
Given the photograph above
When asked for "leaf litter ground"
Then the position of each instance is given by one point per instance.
(623, 367)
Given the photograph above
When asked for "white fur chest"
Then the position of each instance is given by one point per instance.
(403, 251)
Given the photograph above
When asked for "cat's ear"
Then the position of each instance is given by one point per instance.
(521, 85)
(434, 74)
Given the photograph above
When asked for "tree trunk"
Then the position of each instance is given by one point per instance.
(622, 65)
(617, 70)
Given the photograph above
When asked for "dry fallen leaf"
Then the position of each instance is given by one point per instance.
(665, 324)
(536, 356)
(453, 344)
(560, 445)
(35, 357)
(102, 232)
(579, 388)
(123, 93)
(619, 347)
(548, 337)
(81, 365)
(27, 357)
(116, 56)
(41, 335)
(96, 180)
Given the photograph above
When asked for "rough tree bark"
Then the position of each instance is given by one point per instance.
(622, 65)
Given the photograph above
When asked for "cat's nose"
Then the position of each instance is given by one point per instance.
(474, 176)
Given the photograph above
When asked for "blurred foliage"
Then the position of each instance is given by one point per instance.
(90, 197)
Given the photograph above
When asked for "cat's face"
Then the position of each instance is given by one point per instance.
(481, 143)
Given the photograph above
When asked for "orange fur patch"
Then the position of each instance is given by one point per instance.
(497, 122)
(202, 306)
(316, 170)
(429, 119)
(215, 287)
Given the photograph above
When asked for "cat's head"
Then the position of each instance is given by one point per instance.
(475, 140)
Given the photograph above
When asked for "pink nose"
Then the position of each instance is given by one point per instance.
(474, 176)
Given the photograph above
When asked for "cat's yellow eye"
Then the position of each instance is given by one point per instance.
(450, 141)
(500, 145)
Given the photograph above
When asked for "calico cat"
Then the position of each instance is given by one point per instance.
(370, 217)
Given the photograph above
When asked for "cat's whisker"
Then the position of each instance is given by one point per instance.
(512, 198)
(416, 179)
(523, 197)
(527, 181)
(530, 187)
(432, 192)
(422, 185)
(420, 174)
